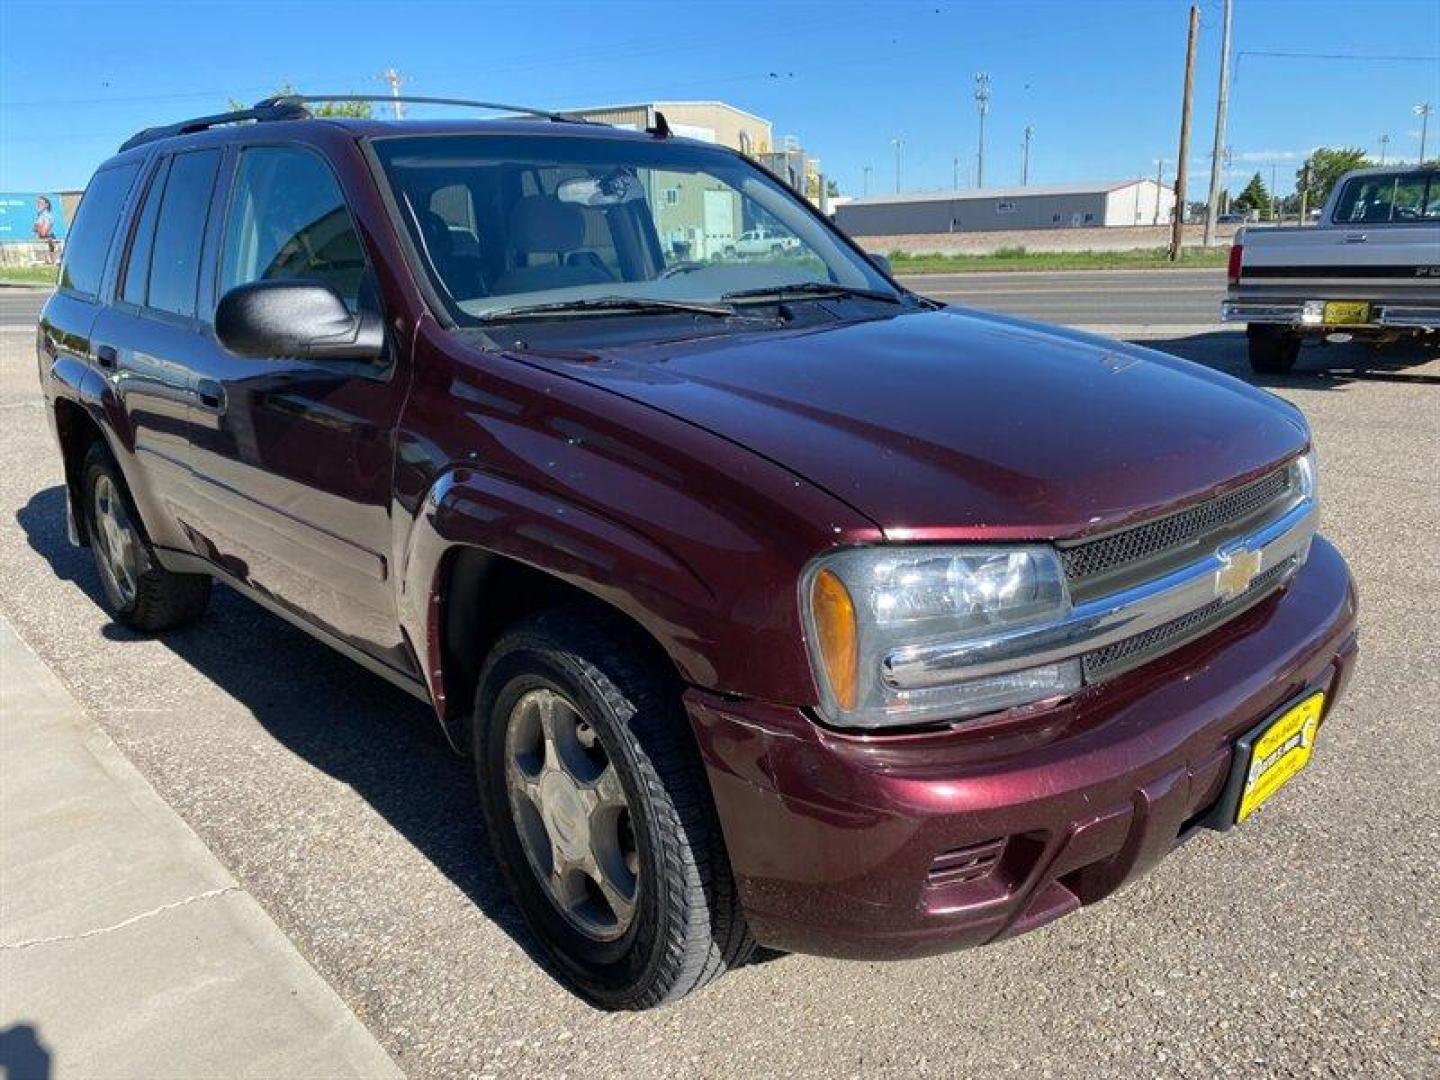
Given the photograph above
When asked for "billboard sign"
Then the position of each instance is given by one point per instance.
(31, 217)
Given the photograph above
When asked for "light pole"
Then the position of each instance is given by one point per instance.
(1384, 145)
(1222, 104)
(982, 104)
(899, 145)
(955, 173)
(1424, 110)
(394, 78)
(865, 188)
(1025, 160)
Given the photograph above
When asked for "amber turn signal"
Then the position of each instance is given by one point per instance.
(834, 615)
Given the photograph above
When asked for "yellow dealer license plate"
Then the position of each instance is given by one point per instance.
(1346, 312)
(1280, 751)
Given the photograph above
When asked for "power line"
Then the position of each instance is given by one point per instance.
(1364, 57)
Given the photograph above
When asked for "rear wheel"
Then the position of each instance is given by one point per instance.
(1273, 349)
(599, 812)
(141, 593)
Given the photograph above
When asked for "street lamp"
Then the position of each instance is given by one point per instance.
(1424, 110)
(899, 144)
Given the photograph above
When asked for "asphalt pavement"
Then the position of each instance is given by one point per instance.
(1301, 942)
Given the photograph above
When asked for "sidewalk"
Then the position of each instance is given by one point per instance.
(126, 949)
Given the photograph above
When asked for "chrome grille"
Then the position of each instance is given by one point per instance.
(1133, 651)
(1107, 555)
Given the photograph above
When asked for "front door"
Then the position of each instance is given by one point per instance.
(291, 459)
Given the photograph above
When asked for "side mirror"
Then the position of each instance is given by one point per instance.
(883, 262)
(296, 318)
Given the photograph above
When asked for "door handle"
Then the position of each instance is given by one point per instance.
(1356, 238)
(107, 357)
(211, 394)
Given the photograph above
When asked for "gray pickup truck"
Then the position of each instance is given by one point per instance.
(1369, 269)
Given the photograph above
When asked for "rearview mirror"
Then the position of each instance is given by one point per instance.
(883, 262)
(296, 318)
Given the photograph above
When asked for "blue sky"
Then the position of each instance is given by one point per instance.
(1098, 79)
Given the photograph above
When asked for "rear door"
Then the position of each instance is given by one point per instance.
(147, 341)
(291, 459)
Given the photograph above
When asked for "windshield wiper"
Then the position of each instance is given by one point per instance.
(816, 289)
(606, 305)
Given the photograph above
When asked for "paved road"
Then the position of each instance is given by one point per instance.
(1135, 298)
(1150, 299)
(1303, 941)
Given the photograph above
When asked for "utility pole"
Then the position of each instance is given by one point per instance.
(1305, 192)
(394, 78)
(1025, 161)
(1424, 110)
(865, 189)
(982, 103)
(899, 145)
(1384, 145)
(955, 174)
(1221, 106)
(1182, 159)
(1159, 186)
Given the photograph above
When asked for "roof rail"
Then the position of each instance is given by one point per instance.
(270, 109)
(523, 110)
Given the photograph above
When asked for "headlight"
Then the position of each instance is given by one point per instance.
(865, 606)
(1305, 475)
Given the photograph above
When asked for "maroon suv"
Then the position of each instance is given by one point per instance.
(774, 602)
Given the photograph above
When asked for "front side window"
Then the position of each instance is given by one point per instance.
(566, 219)
(288, 220)
(180, 233)
(99, 216)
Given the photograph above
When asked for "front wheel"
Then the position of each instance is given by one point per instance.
(141, 593)
(1273, 349)
(598, 810)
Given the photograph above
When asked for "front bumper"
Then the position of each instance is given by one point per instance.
(1296, 313)
(903, 845)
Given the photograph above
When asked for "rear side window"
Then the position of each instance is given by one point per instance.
(95, 226)
(137, 263)
(288, 219)
(180, 232)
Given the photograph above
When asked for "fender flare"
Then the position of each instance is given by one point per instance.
(467, 508)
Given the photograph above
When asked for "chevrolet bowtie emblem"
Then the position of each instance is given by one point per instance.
(1237, 569)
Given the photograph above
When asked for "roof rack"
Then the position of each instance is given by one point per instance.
(270, 109)
(293, 107)
(404, 99)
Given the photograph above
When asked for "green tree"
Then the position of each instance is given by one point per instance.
(1324, 166)
(1255, 197)
(360, 110)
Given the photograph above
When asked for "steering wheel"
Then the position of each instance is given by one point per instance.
(688, 267)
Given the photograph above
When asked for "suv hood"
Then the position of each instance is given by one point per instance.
(957, 424)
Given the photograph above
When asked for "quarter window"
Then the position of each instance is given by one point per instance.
(288, 220)
(95, 224)
(180, 232)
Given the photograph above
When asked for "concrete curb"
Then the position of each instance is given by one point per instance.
(126, 948)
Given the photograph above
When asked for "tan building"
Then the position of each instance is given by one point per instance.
(694, 218)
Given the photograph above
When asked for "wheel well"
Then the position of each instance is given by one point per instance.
(484, 593)
(78, 431)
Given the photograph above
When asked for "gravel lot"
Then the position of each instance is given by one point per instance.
(1304, 942)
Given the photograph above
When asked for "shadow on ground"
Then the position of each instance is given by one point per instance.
(22, 1055)
(354, 726)
(1320, 367)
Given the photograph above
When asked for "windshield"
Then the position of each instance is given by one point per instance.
(507, 222)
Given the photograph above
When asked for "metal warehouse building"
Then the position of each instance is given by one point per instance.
(1037, 206)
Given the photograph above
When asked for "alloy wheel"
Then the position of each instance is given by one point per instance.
(118, 540)
(571, 814)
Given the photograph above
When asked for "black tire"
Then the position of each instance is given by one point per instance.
(687, 927)
(1273, 350)
(154, 599)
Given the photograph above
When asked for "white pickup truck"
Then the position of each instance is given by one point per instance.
(1369, 269)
